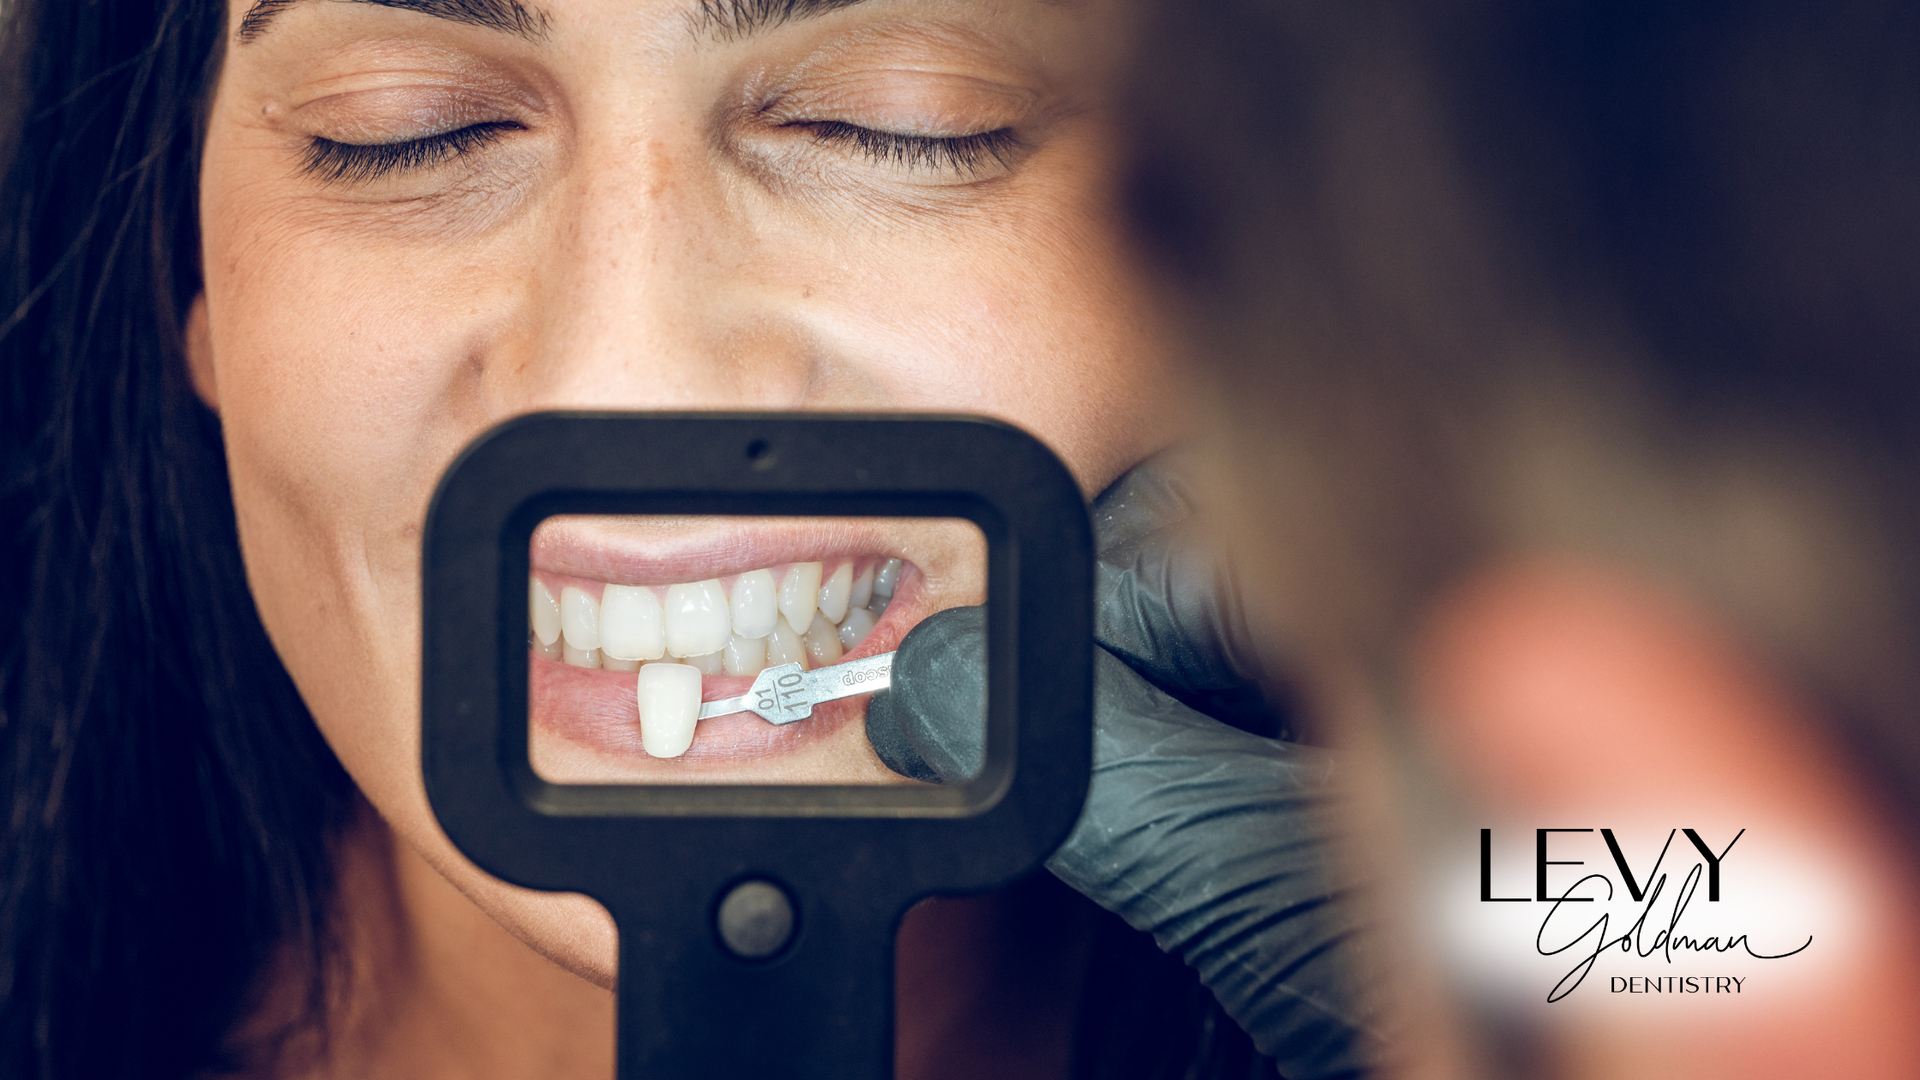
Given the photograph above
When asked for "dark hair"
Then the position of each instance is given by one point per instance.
(169, 802)
(171, 805)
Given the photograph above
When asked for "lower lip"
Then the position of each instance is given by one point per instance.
(596, 709)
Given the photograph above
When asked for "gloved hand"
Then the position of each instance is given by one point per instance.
(1214, 840)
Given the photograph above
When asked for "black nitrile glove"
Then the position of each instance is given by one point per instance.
(1165, 604)
(1213, 840)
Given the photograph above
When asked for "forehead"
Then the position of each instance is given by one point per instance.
(532, 21)
(1075, 48)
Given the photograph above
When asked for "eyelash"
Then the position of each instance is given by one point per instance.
(963, 154)
(338, 162)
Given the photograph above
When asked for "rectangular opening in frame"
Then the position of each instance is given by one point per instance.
(729, 650)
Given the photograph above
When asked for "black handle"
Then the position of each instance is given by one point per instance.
(821, 1008)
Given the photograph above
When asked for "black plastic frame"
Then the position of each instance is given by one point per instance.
(852, 857)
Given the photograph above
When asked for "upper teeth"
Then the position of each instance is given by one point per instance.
(762, 618)
(697, 620)
(631, 626)
(800, 594)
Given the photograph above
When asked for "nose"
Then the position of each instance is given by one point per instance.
(652, 283)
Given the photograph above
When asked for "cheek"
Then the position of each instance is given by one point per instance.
(343, 375)
(1039, 316)
(341, 368)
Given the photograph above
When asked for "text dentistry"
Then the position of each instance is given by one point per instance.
(1675, 984)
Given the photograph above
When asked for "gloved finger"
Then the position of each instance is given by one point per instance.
(1166, 603)
(931, 724)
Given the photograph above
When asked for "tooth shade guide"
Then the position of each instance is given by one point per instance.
(668, 696)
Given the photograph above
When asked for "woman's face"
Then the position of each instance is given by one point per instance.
(420, 218)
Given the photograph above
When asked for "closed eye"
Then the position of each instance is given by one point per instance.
(357, 163)
(963, 155)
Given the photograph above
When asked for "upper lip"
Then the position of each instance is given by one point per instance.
(661, 551)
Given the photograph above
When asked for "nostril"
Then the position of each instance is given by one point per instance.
(760, 454)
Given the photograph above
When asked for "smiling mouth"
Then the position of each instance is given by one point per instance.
(622, 666)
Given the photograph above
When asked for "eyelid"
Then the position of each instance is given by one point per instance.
(913, 122)
(416, 68)
(384, 116)
(930, 104)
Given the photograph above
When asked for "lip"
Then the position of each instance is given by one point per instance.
(669, 550)
(576, 710)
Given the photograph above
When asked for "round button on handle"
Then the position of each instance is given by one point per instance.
(755, 919)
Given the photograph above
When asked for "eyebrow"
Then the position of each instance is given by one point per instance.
(733, 19)
(507, 16)
(726, 19)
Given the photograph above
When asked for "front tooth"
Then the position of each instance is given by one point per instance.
(614, 663)
(863, 587)
(697, 621)
(835, 594)
(746, 655)
(543, 612)
(713, 663)
(822, 642)
(755, 604)
(887, 577)
(579, 619)
(669, 696)
(784, 647)
(631, 626)
(798, 595)
(587, 658)
(858, 625)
